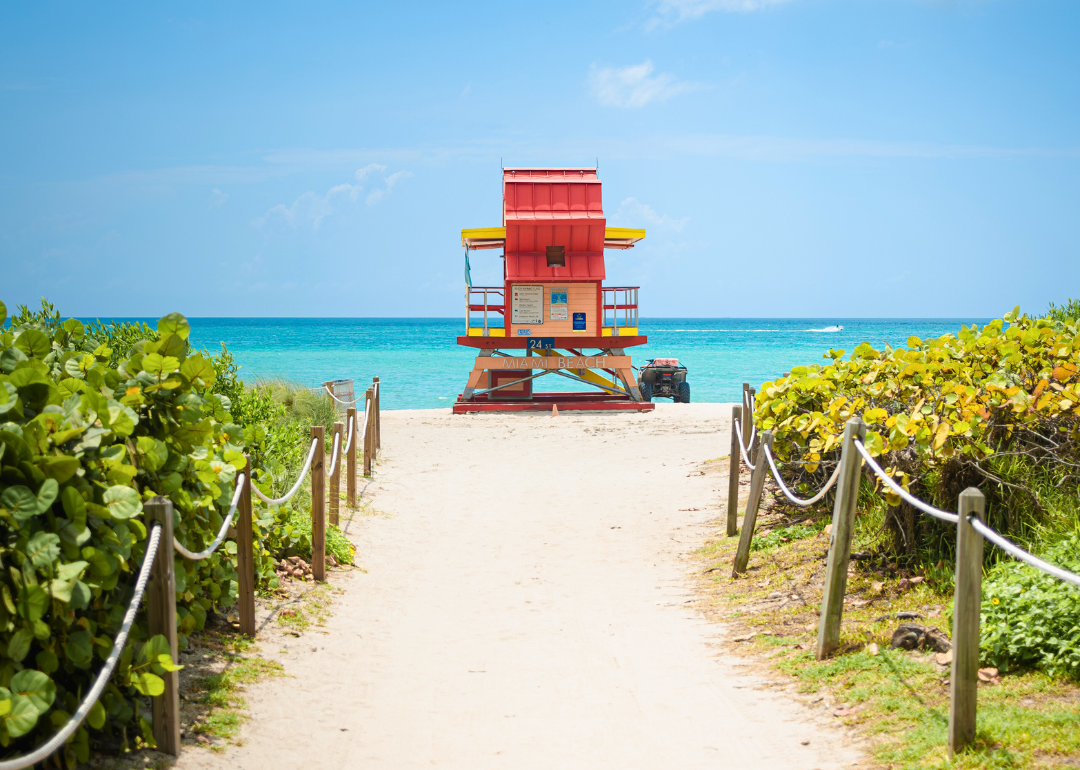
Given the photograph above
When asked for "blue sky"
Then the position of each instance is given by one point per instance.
(788, 157)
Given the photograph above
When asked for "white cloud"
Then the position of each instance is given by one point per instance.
(634, 213)
(633, 86)
(312, 209)
(368, 169)
(377, 195)
(218, 198)
(671, 12)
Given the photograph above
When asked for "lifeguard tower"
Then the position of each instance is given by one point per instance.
(552, 316)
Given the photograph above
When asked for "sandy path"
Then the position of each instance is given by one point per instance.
(525, 606)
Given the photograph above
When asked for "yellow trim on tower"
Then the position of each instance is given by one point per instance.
(624, 233)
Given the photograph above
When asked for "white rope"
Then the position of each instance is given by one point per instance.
(296, 487)
(335, 454)
(788, 493)
(349, 431)
(58, 740)
(224, 527)
(342, 401)
(1019, 553)
(909, 498)
(742, 449)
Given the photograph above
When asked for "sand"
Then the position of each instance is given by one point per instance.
(526, 604)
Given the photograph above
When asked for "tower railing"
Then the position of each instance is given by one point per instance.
(622, 299)
(483, 299)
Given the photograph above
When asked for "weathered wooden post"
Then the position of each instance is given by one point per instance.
(843, 522)
(369, 431)
(752, 449)
(350, 465)
(378, 414)
(964, 682)
(245, 555)
(757, 485)
(335, 477)
(318, 504)
(734, 464)
(746, 415)
(161, 619)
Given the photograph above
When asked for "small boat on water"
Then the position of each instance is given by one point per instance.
(828, 329)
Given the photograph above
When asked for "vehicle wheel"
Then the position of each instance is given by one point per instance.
(684, 392)
(646, 391)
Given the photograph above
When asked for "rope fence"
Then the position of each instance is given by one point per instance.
(157, 571)
(971, 530)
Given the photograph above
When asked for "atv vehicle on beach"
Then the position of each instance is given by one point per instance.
(664, 378)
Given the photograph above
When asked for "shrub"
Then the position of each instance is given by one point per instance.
(1032, 619)
(83, 444)
(942, 414)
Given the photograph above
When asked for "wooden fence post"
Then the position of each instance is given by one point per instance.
(964, 682)
(754, 450)
(318, 505)
(735, 463)
(335, 477)
(746, 413)
(843, 522)
(757, 485)
(161, 619)
(378, 414)
(369, 431)
(245, 555)
(350, 464)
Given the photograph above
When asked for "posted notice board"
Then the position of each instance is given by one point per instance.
(559, 307)
(526, 304)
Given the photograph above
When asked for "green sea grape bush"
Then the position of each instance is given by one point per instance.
(1030, 619)
(83, 444)
(941, 414)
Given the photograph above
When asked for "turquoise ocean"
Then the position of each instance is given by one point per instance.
(422, 366)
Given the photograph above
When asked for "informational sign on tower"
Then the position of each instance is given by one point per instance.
(559, 307)
(526, 304)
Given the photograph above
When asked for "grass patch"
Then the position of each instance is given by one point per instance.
(899, 699)
(219, 693)
(312, 607)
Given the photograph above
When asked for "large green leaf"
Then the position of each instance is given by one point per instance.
(36, 686)
(47, 494)
(33, 343)
(123, 502)
(20, 502)
(78, 648)
(32, 602)
(148, 684)
(58, 468)
(22, 717)
(19, 645)
(43, 549)
(174, 323)
(153, 453)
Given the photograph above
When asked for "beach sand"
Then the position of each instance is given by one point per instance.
(526, 604)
